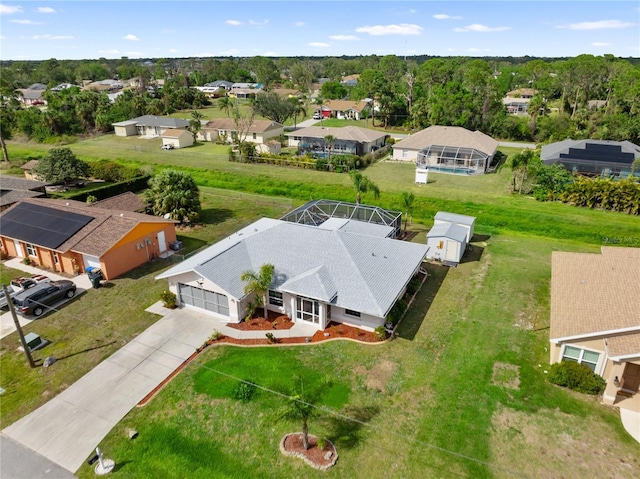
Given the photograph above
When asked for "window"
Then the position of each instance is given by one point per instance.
(31, 250)
(582, 356)
(275, 298)
(56, 258)
(308, 310)
(255, 136)
(352, 313)
(405, 153)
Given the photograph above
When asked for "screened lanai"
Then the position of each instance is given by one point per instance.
(452, 159)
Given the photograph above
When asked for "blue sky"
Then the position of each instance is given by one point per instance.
(36, 30)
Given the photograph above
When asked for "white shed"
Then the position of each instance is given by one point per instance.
(467, 222)
(447, 243)
(177, 138)
(125, 128)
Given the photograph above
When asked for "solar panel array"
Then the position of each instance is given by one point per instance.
(599, 152)
(41, 225)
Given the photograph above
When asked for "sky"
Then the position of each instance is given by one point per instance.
(91, 29)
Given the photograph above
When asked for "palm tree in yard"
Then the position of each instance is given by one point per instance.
(224, 103)
(259, 283)
(329, 140)
(298, 110)
(300, 408)
(407, 202)
(362, 184)
(195, 123)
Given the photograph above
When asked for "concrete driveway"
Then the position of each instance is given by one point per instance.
(68, 428)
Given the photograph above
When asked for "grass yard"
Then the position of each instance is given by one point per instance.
(99, 322)
(457, 394)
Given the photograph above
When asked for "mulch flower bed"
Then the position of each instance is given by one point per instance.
(275, 321)
(323, 459)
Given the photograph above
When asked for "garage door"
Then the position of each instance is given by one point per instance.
(203, 299)
(91, 261)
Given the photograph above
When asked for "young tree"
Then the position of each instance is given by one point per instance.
(407, 203)
(362, 184)
(521, 165)
(300, 408)
(174, 193)
(224, 103)
(259, 283)
(329, 140)
(195, 123)
(298, 109)
(61, 165)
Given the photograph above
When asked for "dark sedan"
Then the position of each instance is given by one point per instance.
(37, 299)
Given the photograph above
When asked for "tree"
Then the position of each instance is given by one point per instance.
(195, 123)
(333, 90)
(362, 184)
(274, 107)
(329, 140)
(259, 283)
(61, 165)
(298, 109)
(224, 103)
(521, 164)
(300, 408)
(174, 193)
(407, 203)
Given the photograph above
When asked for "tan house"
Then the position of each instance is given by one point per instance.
(595, 318)
(175, 138)
(344, 109)
(70, 236)
(27, 169)
(149, 126)
(227, 131)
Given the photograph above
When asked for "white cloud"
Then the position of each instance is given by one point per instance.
(48, 36)
(599, 25)
(318, 45)
(234, 23)
(131, 37)
(413, 10)
(401, 29)
(344, 38)
(600, 44)
(46, 10)
(260, 24)
(477, 27)
(9, 9)
(444, 16)
(173, 50)
(26, 22)
(300, 24)
(229, 53)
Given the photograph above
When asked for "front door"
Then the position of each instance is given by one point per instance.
(18, 246)
(162, 242)
(631, 377)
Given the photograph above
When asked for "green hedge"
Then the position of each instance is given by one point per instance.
(577, 377)
(136, 184)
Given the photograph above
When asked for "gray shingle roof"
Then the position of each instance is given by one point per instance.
(352, 133)
(367, 273)
(160, 121)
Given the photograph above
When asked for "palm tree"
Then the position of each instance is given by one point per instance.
(259, 283)
(195, 123)
(299, 408)
(362, 184)
(224, 103)
(407, 202)
(298, 109)
(329, 140)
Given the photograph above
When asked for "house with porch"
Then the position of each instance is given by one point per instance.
(595, 318)
(149, 126)
(69, 236)
(344, 109)
(227, 130)
(352, 140)
(335, 268)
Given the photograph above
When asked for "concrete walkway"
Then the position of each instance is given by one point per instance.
(19, 462)
(515, 144)
(631, 422)
(7, 326)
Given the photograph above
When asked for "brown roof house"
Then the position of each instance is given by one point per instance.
(345, 109)
(447, 149)
(14, 189)
(595, 318)
(226, 130)
(71, 236)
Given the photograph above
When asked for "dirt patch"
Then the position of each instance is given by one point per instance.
(279, 321)
(506, 375)
(378, 376)
(315, 456)
(557, 445)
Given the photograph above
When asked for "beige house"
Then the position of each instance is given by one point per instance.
(352, 140)
(148, 126)
(175, 138)
(344, 109)
(226, 129)
(27, 169)
(595, 318)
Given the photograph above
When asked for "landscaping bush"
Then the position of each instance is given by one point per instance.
(244, 391)
(168, 299)
(380, 333)
(413, 286)
(577, 377)
(396, 312)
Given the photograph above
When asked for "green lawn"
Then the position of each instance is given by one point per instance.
(99, 322)
(408, 408)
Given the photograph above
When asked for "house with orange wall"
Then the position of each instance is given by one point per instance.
(70, 236)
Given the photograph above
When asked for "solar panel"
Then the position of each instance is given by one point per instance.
(41, 225)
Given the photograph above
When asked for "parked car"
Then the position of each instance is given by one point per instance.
(167, 147)
(317, 116)
(36, 299)
(17, 285)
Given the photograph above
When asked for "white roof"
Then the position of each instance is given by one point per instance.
(356, 271)
(455, 218)
(448, 230)
(360, 227)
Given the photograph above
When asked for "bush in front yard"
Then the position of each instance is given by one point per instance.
(577, 377)
(168, 299)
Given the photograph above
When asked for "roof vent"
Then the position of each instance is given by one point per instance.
(67, 204)
(122, 215)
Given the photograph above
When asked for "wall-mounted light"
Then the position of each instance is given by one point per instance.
(616, 382)
(200, 281)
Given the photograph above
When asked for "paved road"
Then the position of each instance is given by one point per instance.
(514, 144)
(19, 462)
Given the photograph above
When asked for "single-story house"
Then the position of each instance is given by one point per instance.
(259, 131)
(127, 201)
(13, 189)
(148, 125)
(177, 138)
(350, 80)
(70, 236)
(344, 109)
(31, 97)
(449, 237)
(212, 91)
(352, 140)
(288, 92)
(226, 85)
(595, 318)
(322, 274)
(592, 157)
(448, 149)
(27, 169)
(271, 147)
(245, 93)
(466, 222)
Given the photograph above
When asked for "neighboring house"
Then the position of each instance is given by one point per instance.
(244, 93)
(288, 92)
(352, 140)
(449, 237)
(448, 149)
(27, 169)
(271, 147)
(62, 86)
(176, 138)
(343, 270)
(70, 236)
(127, 201)
(226, 85)
(350, 80)
(13, 189)
(595, 318)
(31, 97)
(212, 91)
(344, 109)
(517, 101)
(225, 129)
(592, 157)
(148, 125)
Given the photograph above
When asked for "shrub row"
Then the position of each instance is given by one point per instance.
(577, 377)
(136, 184)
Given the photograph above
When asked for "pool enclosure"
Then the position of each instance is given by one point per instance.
(453, 159)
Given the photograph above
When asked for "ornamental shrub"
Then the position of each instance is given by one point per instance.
(380, 333)
(244, 391)
(168, 299)
(577, 377)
